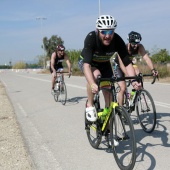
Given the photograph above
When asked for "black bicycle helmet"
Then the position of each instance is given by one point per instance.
(60, 48)
(134, 37)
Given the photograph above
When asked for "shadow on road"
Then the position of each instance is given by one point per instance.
(145, 156)
(76, 100)
(161, 135)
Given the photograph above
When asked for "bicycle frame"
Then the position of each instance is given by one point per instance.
(112, 106)
(132, 101)
(61, 91)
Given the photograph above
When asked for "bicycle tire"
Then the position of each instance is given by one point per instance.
(56, 97)
(126, 101)
(63, 93)
(146, 111)
(122, 132)
(93, 130)
(56, 93)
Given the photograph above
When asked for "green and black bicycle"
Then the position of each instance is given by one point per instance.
(117, 127)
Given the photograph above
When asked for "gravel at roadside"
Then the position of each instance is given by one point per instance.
(13, 152)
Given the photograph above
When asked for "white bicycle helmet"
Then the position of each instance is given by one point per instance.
(106, 22)
(91, 114)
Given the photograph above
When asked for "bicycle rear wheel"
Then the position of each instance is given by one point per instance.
(123, 139)
(63, 93)
(146, 111)
(93, 130)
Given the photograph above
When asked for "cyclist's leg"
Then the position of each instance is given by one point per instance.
(96, 73)
(52, 80)
(60, 70)
(107, 95)
(122, 84)
(137, 71)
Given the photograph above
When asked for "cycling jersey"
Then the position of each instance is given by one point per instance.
(132, 52)
(98, 55)
(58, 63)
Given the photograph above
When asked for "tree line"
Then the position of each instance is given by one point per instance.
(159, 56)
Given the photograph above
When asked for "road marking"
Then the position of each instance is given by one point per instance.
(34, 78)
(71, 85)
(22, 110)
(44, 157)
(166, 84)
(162, 104)
(84, 88)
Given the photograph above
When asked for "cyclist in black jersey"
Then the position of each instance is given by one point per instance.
(99, 46)
(57, 58)
(135, 48)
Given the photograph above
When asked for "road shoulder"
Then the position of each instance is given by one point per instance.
(13, 152)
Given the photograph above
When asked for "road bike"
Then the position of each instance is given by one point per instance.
(60, 90)
(144, 104)
(117, 127)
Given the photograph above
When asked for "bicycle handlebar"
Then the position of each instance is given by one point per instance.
(116, 79)
(147, 75)
(64, 72)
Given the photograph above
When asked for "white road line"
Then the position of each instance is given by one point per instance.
(22, 110)
(84, 88)
(162, 104)
(41, 150)
(166, 84)
(71, 85)
(34, 78)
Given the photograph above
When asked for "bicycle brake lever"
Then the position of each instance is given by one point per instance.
(154, 79)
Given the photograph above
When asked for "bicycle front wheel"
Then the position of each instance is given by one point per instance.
(56, 92)
(123, 139)
(93, 130)
(63, 93)
(146, 111)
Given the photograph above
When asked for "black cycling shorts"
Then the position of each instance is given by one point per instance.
(104, 68)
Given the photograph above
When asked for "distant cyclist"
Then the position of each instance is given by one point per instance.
(135, 48)
(99, 46)
(57, 58)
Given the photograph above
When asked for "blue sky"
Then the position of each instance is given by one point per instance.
(21, 34)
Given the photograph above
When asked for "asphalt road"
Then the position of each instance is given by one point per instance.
(55, 135)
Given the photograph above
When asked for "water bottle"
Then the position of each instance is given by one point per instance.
(102, 113)
(57, 86)
(132, 94)
(132, 98)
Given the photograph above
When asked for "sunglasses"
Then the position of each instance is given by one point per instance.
(134, 43)
(106, 32)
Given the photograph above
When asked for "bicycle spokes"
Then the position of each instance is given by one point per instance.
(146, 111)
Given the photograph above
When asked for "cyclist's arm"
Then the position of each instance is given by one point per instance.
(131, 72)
(89, 77)
(53, 56)
(88, 73)
(68, 63)
(145, 56)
